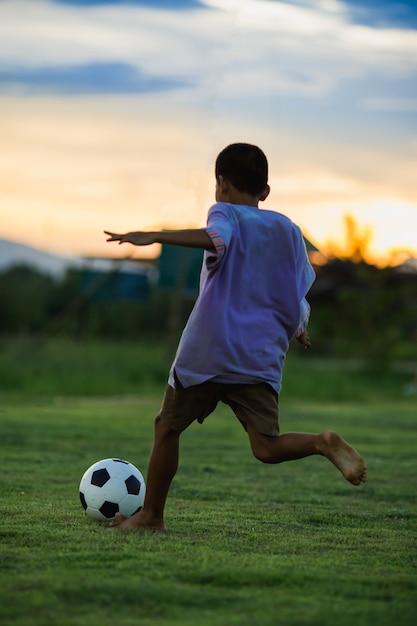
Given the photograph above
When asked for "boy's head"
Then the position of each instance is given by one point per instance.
(245, 166)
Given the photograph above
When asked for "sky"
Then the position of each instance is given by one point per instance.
(112, 114)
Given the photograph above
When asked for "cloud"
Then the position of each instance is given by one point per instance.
(163, 4)
(373, 13)
(303, 80)
(391, 105)
(92, 78)
(233, 45)
(40, 33)
(384, 13)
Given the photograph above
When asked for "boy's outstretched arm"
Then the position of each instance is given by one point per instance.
(190, 238)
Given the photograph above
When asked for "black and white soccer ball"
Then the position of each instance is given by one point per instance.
(112, 486)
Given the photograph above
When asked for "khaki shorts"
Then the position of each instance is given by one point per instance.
(255, 404)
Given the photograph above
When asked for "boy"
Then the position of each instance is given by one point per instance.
(254, 280)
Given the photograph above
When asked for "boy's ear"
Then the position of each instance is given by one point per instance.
(223, 185)
(222, 182)
(265, 193)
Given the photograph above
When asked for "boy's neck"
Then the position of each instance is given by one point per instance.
(227, 192)
(244, 199)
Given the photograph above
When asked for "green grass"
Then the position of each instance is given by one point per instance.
(248, 544)
(31, 366)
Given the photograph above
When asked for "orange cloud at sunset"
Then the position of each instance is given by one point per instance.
(112, 116)
(71, 170)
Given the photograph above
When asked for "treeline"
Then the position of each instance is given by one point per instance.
(357, 310)
(361, 310)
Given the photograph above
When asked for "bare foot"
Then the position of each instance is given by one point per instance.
(344, 457)
(138, 520)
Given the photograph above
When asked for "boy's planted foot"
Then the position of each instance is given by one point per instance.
(343, 456)
(135, 521)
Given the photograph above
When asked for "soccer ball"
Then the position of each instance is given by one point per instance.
(112, 486)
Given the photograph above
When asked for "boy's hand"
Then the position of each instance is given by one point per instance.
(139, 238)
(304, 339)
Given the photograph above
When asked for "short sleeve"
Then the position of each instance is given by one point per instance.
(304, 317)
(219, 229)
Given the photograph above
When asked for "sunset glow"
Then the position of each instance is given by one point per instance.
(112, 116)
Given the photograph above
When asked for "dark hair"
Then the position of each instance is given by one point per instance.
(245, 166)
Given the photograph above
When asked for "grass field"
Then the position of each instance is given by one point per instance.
(248, 544)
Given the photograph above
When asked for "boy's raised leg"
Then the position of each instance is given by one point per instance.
(163, 464)
(292, 446)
